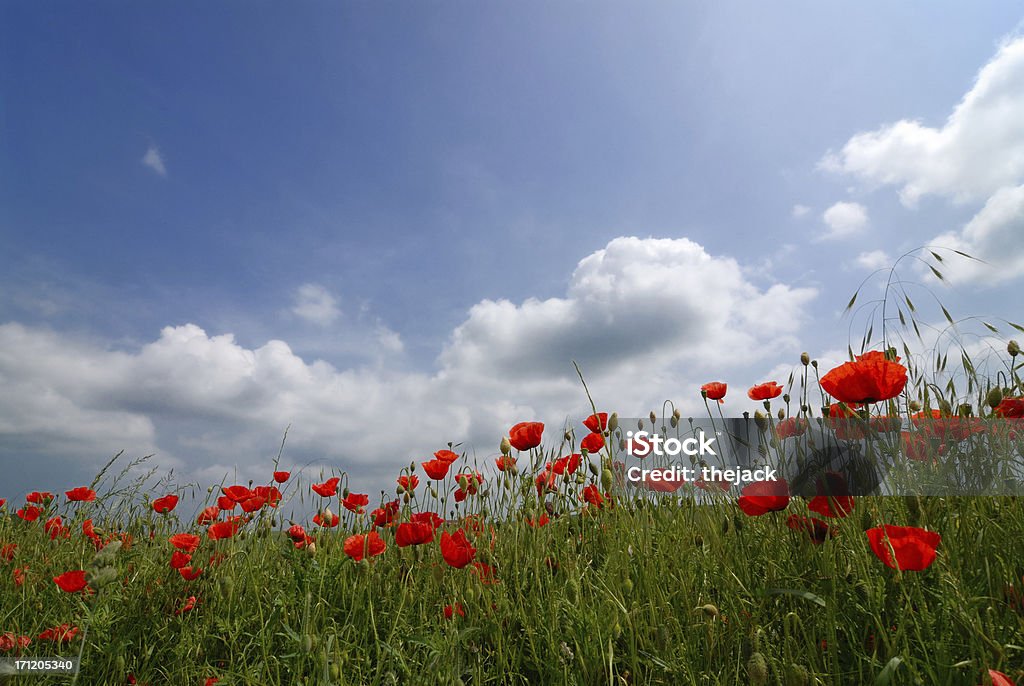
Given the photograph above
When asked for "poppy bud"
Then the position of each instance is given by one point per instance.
(607, 479)
(914, 406)
(673, 422)
(463, 482)
(617, 630)
(580, 479)
(627, 586)
(400, 489)
(622, 444)
(335, 671)
(1013, 347)
(433, 491)
(307, 643)
(781, 414)
(761, 419)
(654, 417)
(814, 363)
(994, 397)
(709, 610)
(470, 595)
(797, 675)
(567, 435)
(613, 421)
(412, 466)
(505, 446)
(757, 669)
(593, 468)
(311, 549)
(344, 493)
(805, 359)
(945, 408)
(640, 425)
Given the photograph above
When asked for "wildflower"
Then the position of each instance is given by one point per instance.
(430, 518)
(761, 497)
(269, 493)
(71, 582)
(326, 519)
(592, 442)
(252, 504)
(30, 513)
(999, 679)
(356, 502)
(764, 391)
(185, 542)
(361, 546)
(81, 494)
(436, 469)
(189, 605)
(456, 609)
(180, 559)
(7, 552)
(11, 641)
(1010, 408)
(208, 515)
(446, 456)
(281, 477)
(506, 463)
(568, 464)
(592, 495)
(539, 522)
(327, 489)
(39, 497)
(816, 529)
(165, 504)
(385, 515)
(871, 378)
(714, 391)
(237, 493)
(190, 573)
(65, 633)
(914, 548)
(833, 498)
(525, 435)
(456, 549)
(411, 533)
(408, 483)
(597, 423)
(226, 529)
(790, 427)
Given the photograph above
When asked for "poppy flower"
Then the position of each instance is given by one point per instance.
(226, 529)
(364, 546)
(871, 378)
(3, 501)
(281, 477)
(540, 521)
(409, 533)
(715, 390)
(885, 424)
(917, 447)
(446, 456)
(189, 605)
(914, 548)
(327, 489)
(953, 429)
(19, 574)
(65, 633)
(89, 531)
(569, 463)
(7, 552)
(832, 497)
(456, 609)
(546, 481)
(51, 524)
(816, 529)
(592, 442)
(1008, 408)
(506, 462)
(326, 519)
(790, 427)
(486, 573)
(468, 484)
(764, 391)
(436, 469)
(268, 493)
(252, 504)
(456, 549)
(30, 513)
(225, 503)
(999, 679)
(71, 582)
(356, 502)
(525, 435)
(761, 497)
(190, 573)
(165, 504)
(186, 543)
(592, 495)
(39, 497)
(81, 494)
(237, 493)
(386, 514)
(296, 532)
(664, 484)
(597, 422)
(180, 559)
(10, 641)
(208, 515)
(430, 518)
(408, 483)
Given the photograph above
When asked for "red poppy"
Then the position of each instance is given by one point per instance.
(409, 533)
(436, 469)
(52, 526)
(11, 641)
(180, 559)
(165, 504)
(385, 515)
(408, 483)
(7, 552)
(356, 502)
(917, 447)
(89, 531)
(885, 424)
(39, 497)
(1008, 408)
(19, 575)
(30, 513)
(225, 503)
(816, 529)
(456, 549)
(871, 378)
(762, 497)
(446, 456)
(364, 545)
(326, 519)
(327, 489)
(65, 633)
(187, 607)
(211, 681)
(468, 484)
(597, 422)
(81, 494)
(665, 484)
(254, 503)
(569, 463)
(546, 481)
(281, 477)
(764, 391)
(506, 462)
(540, 521)
(71, 582)
(486, 573)
(451, 610)
(790, 427)
(296, 532)
(237, 493)
(430, 518)
(592, 495)
(999, 679)
(592, 442)
(208, 515)
(190, 573)
(832, 497)
(3, 501)
(187, 543)
(268, 493)
(525, 435)
(715, 390)
(226, 529)
(914, 548)
(953, 429)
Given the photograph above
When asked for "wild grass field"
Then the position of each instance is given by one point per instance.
(547, 566)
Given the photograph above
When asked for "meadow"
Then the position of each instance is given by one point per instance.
(547, 566)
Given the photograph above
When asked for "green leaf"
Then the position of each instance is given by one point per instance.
(806, 595)
(885, 676)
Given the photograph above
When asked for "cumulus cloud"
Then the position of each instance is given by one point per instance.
(800, 211)
(315, 304)
(995, 236)
(874, 259)
(644, 318)
(978, 150)
(845, 219)
(154, 160)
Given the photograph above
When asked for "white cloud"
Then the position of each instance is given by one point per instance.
(978, 150)
(995, 235)
(154, 160)
(316, 305)
(874, 259)
(845, 219)
(800, 211)
(646, 319)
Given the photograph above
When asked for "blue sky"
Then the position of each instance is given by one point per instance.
(391, 225)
